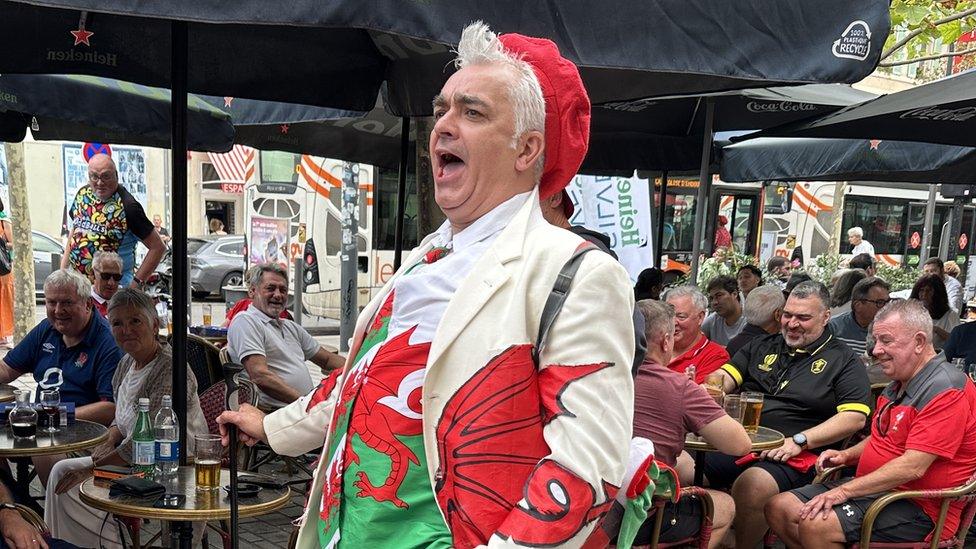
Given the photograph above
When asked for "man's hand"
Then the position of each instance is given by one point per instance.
(831, 458)
(788, 450)
(72, 479)
(18, 533)
(250, 425)
(823, 504)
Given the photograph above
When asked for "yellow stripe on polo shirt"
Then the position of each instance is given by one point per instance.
(733, 371)
(854, 407)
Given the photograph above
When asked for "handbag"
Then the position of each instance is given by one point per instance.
(6, 265)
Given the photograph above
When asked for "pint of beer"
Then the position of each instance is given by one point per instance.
(752, 404)
(207, 451)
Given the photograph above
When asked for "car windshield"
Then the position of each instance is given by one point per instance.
(193, 245)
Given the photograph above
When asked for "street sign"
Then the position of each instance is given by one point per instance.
(91, 149)
(916, 240)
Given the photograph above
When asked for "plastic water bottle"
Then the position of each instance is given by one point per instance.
(167, 429)
(144, 441)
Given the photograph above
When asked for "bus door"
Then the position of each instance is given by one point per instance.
(741, 209)
(940, 230)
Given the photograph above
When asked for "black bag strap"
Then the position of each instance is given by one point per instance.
(557, 297)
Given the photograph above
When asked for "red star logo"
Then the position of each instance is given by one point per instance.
(284, 128)
(227, 101)
(81, 36)
(874, 144)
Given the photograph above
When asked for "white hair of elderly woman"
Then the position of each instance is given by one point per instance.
(68, 278)
(855, 231)
(103, 257)
(131, 297)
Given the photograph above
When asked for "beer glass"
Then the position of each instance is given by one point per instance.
(715, 386)
(752, 403)
(733, 407)
(206, 461)
(207, 315)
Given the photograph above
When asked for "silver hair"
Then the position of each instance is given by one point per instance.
(658, 318)
(102, 258)
(912, 313)
(855, 231)
(480, 46)
(68, 278)
(698, 299)
(812, 288)
(137, 299)
(761, 303)
(257, 272)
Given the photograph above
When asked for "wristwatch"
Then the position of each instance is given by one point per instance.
(138, 281)
(800, 440)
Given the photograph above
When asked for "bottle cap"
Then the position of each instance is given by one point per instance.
(167, 400)
(144, 402)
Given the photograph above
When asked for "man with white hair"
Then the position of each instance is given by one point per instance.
(693, 351)
(855, 236)
(104, 216)
(456, 421)
(923, 437)
(763, 309)
(107, 267)
(72, 349)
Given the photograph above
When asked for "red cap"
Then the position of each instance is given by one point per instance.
(567, 111)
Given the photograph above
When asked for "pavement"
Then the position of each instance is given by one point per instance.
(269, 531)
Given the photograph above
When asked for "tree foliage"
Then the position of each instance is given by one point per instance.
(918, 24)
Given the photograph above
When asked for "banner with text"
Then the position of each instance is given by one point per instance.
(618, 207)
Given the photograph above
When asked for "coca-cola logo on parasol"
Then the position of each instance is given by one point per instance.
(854, 42)
(778, 106)
(941, 115)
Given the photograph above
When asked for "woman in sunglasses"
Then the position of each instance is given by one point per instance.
(108, 274)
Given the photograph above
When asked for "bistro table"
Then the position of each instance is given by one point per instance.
(764, 439)
(75, 436)
(7, 393)
(199, 506)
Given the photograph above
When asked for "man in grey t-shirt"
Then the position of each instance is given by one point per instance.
(867, 298)
(274, 350)
(726, 319)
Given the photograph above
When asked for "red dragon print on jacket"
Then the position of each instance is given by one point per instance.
(491, 449)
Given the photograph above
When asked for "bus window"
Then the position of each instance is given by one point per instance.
(679, 222)
(882, 220)
(385, 206)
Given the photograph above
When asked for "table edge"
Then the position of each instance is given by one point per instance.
(123, 509)
(55, 450)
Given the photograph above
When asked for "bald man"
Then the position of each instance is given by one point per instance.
(105, 217)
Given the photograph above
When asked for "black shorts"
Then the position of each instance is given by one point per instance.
(681, 521)
(721, 471)
(902, 521)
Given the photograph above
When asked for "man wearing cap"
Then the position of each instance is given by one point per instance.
(446, 421)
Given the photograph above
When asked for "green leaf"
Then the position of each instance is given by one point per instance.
(914, 15)
(950, 32)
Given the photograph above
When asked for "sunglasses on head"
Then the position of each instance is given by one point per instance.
(110, 276)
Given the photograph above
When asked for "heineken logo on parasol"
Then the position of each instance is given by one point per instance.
(8, 98)
(854, 42)
(941, 115)
(93, 57)
(778, 106)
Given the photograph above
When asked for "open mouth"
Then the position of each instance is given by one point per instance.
(448, 164)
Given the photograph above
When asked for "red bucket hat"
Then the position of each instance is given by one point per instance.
(567, 111)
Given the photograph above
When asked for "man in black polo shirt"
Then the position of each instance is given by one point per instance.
(815, 392)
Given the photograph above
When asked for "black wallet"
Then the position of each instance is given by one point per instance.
(136, 487)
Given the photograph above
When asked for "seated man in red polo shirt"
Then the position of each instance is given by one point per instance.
(923, 437)
(691, 347)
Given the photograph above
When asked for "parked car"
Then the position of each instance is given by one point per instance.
(215, 262)
(47, 252)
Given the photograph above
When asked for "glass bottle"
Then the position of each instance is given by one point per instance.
(167, 434)
(23, 417)
(144, 441)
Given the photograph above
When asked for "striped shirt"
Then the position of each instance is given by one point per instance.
(846, 329)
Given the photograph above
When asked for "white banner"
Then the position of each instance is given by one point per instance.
(618, 207)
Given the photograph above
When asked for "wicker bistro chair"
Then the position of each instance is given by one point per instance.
(965, 492)
(704, 534)
(204, 359)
